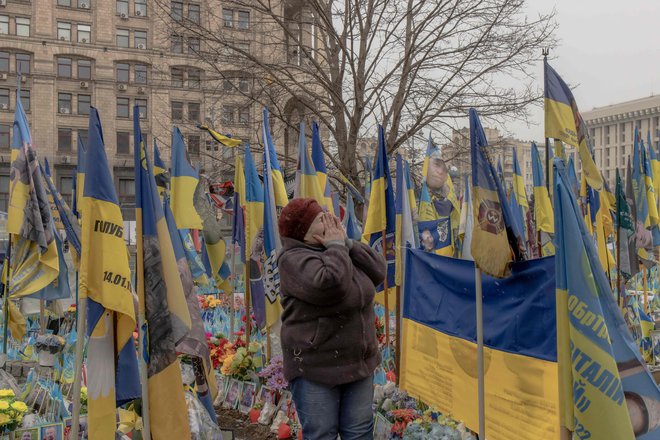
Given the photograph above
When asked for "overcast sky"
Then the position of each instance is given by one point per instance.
(609, 49)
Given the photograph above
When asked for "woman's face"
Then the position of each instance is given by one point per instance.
(317, 228)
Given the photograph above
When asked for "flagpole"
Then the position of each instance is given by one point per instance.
(386, 301)
(480, 352)
(618, 258)
(233, 291)
(144, 377)
(397, 329)
(248, 318)
(546, 51)
(81, 313)
(645, 281)
(42, 316)
(5, 307)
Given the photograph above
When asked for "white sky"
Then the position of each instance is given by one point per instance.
(608, 50)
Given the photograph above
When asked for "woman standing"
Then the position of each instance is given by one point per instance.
(328, 323)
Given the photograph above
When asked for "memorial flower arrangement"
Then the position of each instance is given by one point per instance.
(11, 410)
(207, 302)
(242, 363)
(83, 400)
(219, 348)
(380, 331)
(273, 374)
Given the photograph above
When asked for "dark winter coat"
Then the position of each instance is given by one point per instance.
(328, 322)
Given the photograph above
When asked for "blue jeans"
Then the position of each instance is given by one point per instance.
(326, 411)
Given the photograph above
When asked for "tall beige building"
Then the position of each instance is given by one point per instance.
(612, 128)
(116, 54)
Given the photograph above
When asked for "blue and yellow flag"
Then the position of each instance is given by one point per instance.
(381, 217)
(54, 212)
(519, 182)
(564, 122)
(350, 221)
(225, 140)
(281, 196)
(79, 181)
(319, 165)
(405, 235)
(572, 177)
(467, 222)
(307, 183)
(272, 246)
(412, 200)
(183, 184)
(254, 221)
(195, 264)
(215, 266)
(368, 177)
(34, 260)
(161, 174)
(651, 196)
(105, 279)
(491, 248)
(439, 350)
(161, 298)
(542, 208)
(602, 375)
(238, 220)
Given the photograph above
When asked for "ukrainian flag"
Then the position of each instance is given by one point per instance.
(34, 259)
(564, 122)
(54, 212)
(572, 177)
(161, 174)
(519, 182)
(350, 221)
(412, 200)
(227, 141)
(593, 351)
(105, 279)
(542, 208)
(197, 269)
(183, 184)
(652, 203)
(655, 164)
(467, 222)
(307, 183)
(404, 236)
(368, 176)
(439, 350)
(238, 220)
(215, 265)
(281, 197)
(319, 165)
(272, 246)
(161, 299)
(491, 247)
(80, 179)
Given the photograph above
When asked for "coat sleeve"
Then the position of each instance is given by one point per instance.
(369, 261)
(318, 278)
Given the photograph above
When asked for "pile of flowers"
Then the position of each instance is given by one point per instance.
(242, 363)
(380, 331)
(219, 348)
(273, 374)
(11, 410)
(207, 302)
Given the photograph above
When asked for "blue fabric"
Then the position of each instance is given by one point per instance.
(326, 411)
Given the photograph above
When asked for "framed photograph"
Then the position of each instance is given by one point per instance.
(286, 403)
(655, 339)
(221, 381)
(382, 427)
(27, 434)
(53, 431)
(266, 395)
(82, 428)
(233, 395)
(247, 398)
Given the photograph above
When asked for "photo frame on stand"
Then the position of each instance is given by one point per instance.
(246, 401)
(233, 395)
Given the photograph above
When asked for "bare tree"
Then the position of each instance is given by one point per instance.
(409, 65)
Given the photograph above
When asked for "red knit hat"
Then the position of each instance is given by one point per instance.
(297, 217)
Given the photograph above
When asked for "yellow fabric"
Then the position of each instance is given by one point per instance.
(222, 139)
(16, 322)
(182, 194)
(167, 405)
(490, 245)
(545, 220)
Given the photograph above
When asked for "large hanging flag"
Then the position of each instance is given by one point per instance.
(603, 379)
(412, 200)
(183, 184)
(34, 261)
(54, 212)
(643, 237)
(626, 235)
(519, 182)
(215, 266)
(281, 196)
(238, 220)
(655, 164)
(542, 207)
(517, 213)
(161, 298)
(467, 222)
(564, 122)
(572, 177)
(105, 279)
(381, 217)
(161, 174)
(254, 219)
(405, 235)
(368, 177)
(651, 197)
(319, 165)
(272, 246)
(350, 221)
(225, 140)
(307, 183)
(79, 181)
(490, 247)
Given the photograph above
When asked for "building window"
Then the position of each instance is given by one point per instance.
(4, 61)
(193, 111)
(177, 77)
(177, 111)
(4, 192)
(83, 136)
(5, 137)
(123, 142)
(244, 85)
(122, 8)
(227, 114)
(64, 3)
(194, 78)
(607, 135)
(25, 99)
(4, 99)
(122, 72)
(64, 67)
(64, 103)
(23, 63)
(122, 37)
(623, 132)
(193, 144)
(66, 187)
(22, 27)
(243, 20)
(177, 11)
(244, 115)
(177, 44)
(126, 186)
(243, 48)
(140, 38)
(227, 85)
(84, 69)
(64, 140)
(193, 13)
(140, 74)
(84, 102)
(142, 108)
(122, 108)
(83, 4)
(141, 8)
(84, 33)
(4, 24)
(193, 45)
(227, 17)
(63, 31)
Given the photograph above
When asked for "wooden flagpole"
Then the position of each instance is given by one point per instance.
(386, 301)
